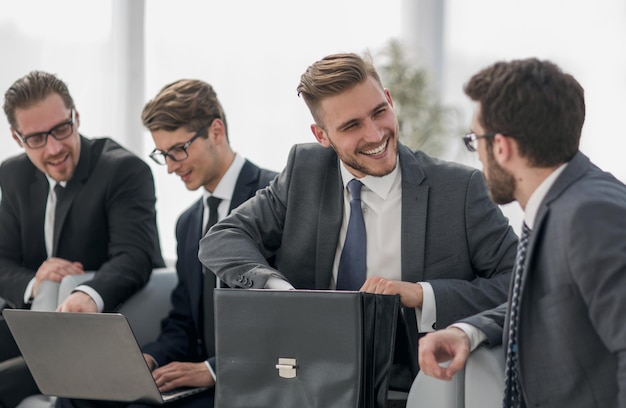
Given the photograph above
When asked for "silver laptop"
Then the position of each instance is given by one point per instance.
(86, 356)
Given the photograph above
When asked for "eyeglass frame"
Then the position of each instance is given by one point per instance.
(165, 155)
(470, 138)
(24, 139)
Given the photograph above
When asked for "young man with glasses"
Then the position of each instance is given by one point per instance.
(189, 128)
(563, 327)
(69, 205)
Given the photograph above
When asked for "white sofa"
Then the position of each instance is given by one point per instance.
(480, 384)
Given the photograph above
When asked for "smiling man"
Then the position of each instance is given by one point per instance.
(69, 205)
(431, 233)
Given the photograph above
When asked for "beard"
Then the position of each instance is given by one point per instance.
(501, 183)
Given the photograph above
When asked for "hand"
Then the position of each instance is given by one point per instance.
(78, 302)
(443, 345)
(411, 294)
(55, 269)
(177, 374)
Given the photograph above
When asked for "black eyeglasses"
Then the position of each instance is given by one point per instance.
(178, 153)
(59, 132)
(471, 140)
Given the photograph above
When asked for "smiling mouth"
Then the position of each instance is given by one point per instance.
(58, 161)
(377, 150)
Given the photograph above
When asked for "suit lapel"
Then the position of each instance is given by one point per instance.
(414, 210)
(246, 186)
(39, 189)
(195, 277)
(73, 187)
(574, 170)
(330, 214)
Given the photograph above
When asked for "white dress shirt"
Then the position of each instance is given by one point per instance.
(381, 199)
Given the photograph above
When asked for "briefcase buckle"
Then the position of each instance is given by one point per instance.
(286, 367)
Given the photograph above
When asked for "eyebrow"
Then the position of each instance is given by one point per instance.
(65, 122)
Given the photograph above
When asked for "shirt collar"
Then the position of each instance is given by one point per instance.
(226, 186)
(532, 206)
(381, 186)
(52, 182)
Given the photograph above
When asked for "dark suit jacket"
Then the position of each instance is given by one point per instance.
(182, 337)
(452, 235)
(106, 219)
(572, 344)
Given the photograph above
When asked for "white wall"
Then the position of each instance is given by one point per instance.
(253, 53)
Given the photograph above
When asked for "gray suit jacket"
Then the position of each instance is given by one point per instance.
(572, 344)
(452, 235)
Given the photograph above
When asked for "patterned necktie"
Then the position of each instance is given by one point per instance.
(352, 265)
(513, 394)
(209, 284)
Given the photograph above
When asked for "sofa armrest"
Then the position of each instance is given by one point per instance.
(146, 308)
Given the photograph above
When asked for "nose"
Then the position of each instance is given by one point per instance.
(53, 146)
(171, 165)
(372, 132)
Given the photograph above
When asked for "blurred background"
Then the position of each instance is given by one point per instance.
(116, 54)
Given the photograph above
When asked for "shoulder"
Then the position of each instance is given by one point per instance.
(432, 170)
(106, 152)
(16, 169)
(310, 156)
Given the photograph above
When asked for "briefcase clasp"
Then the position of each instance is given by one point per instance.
(286, 367)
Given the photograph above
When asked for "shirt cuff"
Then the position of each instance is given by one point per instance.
(474, 334)
(28, 294)
(210, 370)
(278, 284)
(427, 314)
(92, 294)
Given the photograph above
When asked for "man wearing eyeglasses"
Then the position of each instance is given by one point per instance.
(563, 327)
(69, 205)
(189, 128)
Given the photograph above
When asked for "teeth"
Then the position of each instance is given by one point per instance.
(378, 150)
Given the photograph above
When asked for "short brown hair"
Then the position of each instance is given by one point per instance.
(188, 103)
(32, 88)
(332, 75)
(535, 103)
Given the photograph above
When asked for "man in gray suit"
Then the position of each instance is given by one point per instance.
(563, 327)
(433, 235)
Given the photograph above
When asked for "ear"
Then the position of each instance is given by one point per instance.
(217, 131)
(388, 96)
(76, 119)
(503, 148)
(17, 139)
(320, 135)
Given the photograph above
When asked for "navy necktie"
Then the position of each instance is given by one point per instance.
(513, 394)
(352, 265)
(209, 284)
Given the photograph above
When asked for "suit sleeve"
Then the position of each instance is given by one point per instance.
(237, 248)
(597, 254)
(490, 322)
(491, 244)
(131, 216)
(14, 277)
